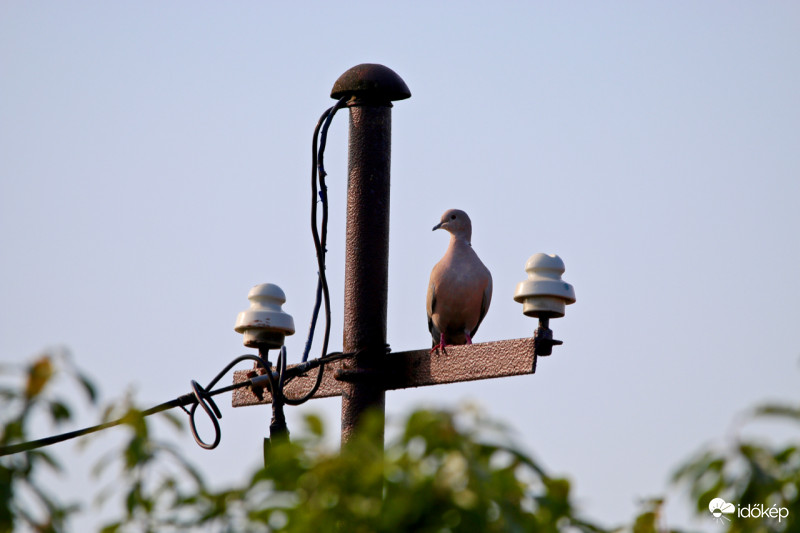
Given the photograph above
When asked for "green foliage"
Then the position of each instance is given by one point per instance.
(152, 478)
(442, 472)
(750, 473)
(439, 474)
(24, 499)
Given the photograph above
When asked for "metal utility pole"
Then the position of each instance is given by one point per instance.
(363, 379)
(371, 89)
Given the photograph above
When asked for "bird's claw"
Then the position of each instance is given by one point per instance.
(441, 345)
(438, 347)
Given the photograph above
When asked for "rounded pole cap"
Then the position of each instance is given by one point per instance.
(372, 82)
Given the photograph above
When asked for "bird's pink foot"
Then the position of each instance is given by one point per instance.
(469, 339)
(441, 345)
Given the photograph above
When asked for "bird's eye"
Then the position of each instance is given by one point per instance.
(452, 217)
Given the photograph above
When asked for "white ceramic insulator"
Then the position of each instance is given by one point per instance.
(544, 293)
(265, 318)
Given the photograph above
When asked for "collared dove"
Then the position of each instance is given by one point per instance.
(460, 288)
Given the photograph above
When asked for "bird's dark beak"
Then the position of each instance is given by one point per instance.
(437, 226)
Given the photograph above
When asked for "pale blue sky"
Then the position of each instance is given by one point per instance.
(154, 165)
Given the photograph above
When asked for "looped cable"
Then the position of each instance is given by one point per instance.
(208, 404)
(203, 400)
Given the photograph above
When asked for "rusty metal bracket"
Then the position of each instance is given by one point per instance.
(415, 368)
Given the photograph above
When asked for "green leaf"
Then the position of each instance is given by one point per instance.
(111, 528)
(173, 419)
(35, 456)
(785, 455)
(8, 394)
(59, 411)
(13, 431)
(101, 464)
(783, 411)
(39, 374)
(6, 498)
(133, 499)
(315, 425)
(88, 387)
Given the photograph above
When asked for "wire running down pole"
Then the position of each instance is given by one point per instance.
(371, 88)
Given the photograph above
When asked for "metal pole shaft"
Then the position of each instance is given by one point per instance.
(371, 89)
(366, 261)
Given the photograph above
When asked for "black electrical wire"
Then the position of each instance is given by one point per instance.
(202, 396)
(320, 239)
(275, 382)
(313, 325)
(198, 396)
(320, 236)
(40, 443)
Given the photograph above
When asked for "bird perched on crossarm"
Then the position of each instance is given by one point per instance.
(460, 288)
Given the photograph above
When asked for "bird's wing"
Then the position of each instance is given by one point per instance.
(431, 305)
(485, 301)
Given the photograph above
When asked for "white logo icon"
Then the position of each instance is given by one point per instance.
(719, 508)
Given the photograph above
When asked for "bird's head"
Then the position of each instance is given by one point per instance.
(457, 222)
